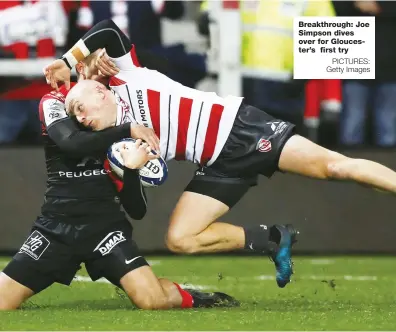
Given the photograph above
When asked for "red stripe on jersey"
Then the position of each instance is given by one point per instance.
(153, 99)
(211, 133)
(114, 81)
(64, 91)
(184, 120)
(134, 57)
(116, 180)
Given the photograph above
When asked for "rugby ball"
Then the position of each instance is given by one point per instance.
(152, 174)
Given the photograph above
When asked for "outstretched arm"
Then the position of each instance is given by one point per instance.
(106, 34)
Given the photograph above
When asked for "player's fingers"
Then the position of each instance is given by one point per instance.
(48, 78)
(67, 85)
(144, 147)
(106, 65)
(46, 75)
(122, 148)
(54, 84)
(106, 69)
(153, 141)
(153, 156)
(109, 61)
(99, 62)
(138, 142)
(123, 151)
(125, 147)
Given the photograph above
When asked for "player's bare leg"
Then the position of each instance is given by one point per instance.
(12, 293)
(303, 157)
(194, 229)
(148, 292)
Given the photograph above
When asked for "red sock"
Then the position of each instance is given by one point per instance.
(187, 299)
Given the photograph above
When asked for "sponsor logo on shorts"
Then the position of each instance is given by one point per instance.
(131, 260)
(200, 171)
(109, 242)
(35, 245)
(278, 127)
(264, 145)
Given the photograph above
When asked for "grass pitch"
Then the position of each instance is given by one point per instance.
(340, 293)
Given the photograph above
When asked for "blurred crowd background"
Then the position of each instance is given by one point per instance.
(347, 113)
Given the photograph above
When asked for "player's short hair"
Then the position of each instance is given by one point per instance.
(88, 60)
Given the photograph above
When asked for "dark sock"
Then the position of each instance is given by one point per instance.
(261, 238)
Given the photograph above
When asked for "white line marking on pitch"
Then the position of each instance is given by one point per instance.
(154, 262)
(197, 287)
(88, 279)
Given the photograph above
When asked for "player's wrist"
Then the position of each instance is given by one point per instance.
(66, 62)
(76, 54)
(133, 127)
(133, 166)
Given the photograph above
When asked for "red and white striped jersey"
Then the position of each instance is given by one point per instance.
(191, 124)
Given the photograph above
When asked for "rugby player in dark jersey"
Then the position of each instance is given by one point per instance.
(81, 220)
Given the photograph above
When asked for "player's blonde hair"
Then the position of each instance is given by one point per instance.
(88, 60)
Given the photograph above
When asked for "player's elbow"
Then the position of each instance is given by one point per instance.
(6, 307)
(112, 29)
(139, 215)
(136, 214)
(108, 23)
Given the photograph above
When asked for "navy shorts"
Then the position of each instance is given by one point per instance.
(253, 147)
(45, 258)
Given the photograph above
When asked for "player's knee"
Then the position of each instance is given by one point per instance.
(153, 303)
(180, 244)
(6, 305)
